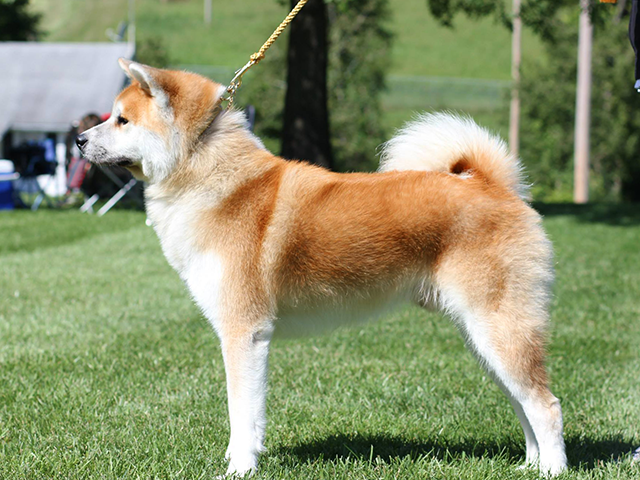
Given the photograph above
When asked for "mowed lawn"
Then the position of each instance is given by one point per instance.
(472, 49)
(109, 371)
(466, 68)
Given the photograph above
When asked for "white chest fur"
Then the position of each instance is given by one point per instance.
(201, 271)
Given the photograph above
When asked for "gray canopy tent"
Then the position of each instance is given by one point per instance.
(45, 87)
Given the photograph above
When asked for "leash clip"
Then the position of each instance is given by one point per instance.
(236, 81)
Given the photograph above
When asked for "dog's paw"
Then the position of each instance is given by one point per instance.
(553, 462)
(233, 476)
(527, 466)
(552, 470)
(242, 463)
(240, 471)
(233, 472)
(636, 455)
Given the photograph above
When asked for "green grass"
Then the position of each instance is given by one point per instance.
(474, 49)
(465, 68)
(484, 100)
(109, 371)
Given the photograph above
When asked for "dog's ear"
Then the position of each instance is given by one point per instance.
(124, 65)
(148, 78)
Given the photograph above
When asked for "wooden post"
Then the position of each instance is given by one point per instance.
(583, 107)
(131, 29)
(514, 113)
(207, 12)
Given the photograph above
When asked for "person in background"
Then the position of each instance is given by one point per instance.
(77, 167)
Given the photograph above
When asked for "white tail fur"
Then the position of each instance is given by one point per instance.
(445, 142)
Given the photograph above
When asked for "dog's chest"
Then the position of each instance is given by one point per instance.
(200, 270)
(173, 223)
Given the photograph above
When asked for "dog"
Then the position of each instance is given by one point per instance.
(271, 247)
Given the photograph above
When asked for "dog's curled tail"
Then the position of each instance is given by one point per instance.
(445, 142)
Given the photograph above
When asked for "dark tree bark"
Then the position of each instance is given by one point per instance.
(17, 23)
(305, 133)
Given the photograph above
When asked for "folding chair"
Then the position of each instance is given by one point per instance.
(124, 189)
(31, 160)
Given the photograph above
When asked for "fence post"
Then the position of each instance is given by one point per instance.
(514, 111)
(583, 108)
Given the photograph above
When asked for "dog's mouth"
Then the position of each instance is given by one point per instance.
(102, 157)
(122, 162)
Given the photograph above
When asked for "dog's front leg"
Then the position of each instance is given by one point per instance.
(246, 359)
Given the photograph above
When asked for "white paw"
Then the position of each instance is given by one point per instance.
(241, 470)
(553, 469)
(526, 466)
(241, 462)
(234, 472)
(531, 462)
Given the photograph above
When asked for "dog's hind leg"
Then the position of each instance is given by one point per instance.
(245, 351)
(516, 362)
(503, 319)
(533, 451)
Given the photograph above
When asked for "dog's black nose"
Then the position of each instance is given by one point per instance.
(81, 140)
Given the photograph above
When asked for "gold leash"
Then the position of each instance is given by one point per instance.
(236, 81)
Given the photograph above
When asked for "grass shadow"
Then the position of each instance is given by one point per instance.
(618, 214)
(587, 453)
(582, 453)
(364, 447)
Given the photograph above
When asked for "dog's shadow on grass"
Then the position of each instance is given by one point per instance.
(583, 453)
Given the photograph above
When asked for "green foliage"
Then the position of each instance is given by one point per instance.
(549, 18)
(543, 16)
(17, 22)
(548, 110)
(445, 10)
(152, 50)
(548, 97)
(265, 90)
(358, 56)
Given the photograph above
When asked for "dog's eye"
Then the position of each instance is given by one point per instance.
(122, 120)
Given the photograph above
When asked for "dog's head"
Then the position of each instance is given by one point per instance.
(155, 121)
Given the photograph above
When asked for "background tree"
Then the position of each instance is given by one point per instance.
(357, 56)
(445, 10)
(305, 133)
(152, 50)
(548, 98)
(548, 93)
(541, 15)
(17, 21)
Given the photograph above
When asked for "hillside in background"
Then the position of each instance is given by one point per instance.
(472, 49)
(465, 68)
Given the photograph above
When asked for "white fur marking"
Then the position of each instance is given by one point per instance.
(204, 276)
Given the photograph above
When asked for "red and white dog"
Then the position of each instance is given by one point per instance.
(268, 246)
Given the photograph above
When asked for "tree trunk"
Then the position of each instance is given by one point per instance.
(305, 133)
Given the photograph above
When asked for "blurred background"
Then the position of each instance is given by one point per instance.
(368, 66)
